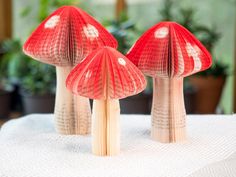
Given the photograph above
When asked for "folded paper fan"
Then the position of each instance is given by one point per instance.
(106, 76)
(168, 52)
(67, 36)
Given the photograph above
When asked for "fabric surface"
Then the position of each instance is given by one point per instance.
(29, 147)
(224, 168)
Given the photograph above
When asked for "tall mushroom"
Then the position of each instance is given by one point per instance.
(106, 75)
(67, 36)
(168, 52)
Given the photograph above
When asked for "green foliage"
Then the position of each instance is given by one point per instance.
(25, 11)
(34, 77)
(58, 3)
(149, 84)
(43, 10)
(217, 69)
(40, 79)
(14, 62)
(209, 36)
(124, 31)
(16, 67)
(46, 7)
(4, 82)
(166, 11)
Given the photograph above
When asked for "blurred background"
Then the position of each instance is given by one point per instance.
(27, 86)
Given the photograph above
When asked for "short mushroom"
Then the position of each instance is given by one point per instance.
(168, 52)
(106, 75)
(67, 36)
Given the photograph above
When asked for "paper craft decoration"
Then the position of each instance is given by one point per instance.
(168, 52)
(67, 36)
(106, 75)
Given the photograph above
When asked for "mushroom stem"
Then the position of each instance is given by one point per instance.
(168, 110)
(106, 127)
(72, 112)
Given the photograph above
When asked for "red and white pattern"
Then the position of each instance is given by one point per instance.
(106, 74)
(169, 50)
(67, 36)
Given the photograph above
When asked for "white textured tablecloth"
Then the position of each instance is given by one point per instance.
(29, 147)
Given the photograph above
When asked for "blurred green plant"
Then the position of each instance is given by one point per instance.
(126, 33)
(11, 63)
(58, 3)
(217, 69)
(40, 79)
(14, 62)
(46, 7)
(4, 82)
(186, 16)
(34, 78)
(17, 68)
(124, 30)
(209, 36)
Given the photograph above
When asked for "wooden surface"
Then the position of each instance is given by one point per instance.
(106, 127)
(168, 111)
(5, 19)
(121, 8)
(72, 112)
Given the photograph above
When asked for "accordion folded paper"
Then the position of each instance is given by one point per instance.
(67, 36)
(106, 75)
(168, 52)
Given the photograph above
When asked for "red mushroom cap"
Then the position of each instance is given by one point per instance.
(106, 74)
(67, 36)
(169, 50)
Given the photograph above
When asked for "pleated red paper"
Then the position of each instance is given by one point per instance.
(66, 37)
(169, 50)
(106, 74)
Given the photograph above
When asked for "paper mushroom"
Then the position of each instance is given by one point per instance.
(67, 36)
(168, 52)
(106, 75)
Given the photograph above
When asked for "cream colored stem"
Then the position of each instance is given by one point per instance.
(106, 127)
(72, 112)
(168, 110)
